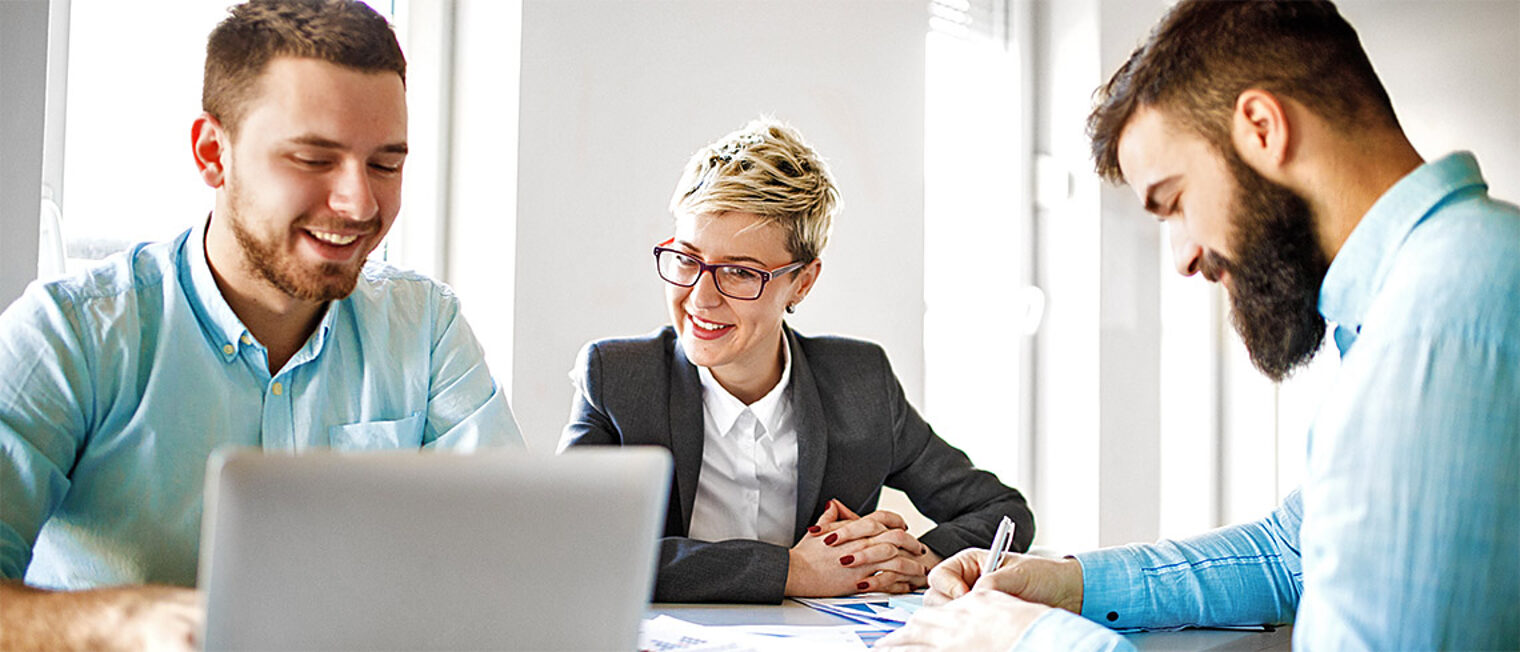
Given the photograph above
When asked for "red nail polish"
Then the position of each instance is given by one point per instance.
(847, 560)
(862, 586)
(829, 540)
(813, 529)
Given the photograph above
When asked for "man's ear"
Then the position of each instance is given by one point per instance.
(210, 145)
(1260, 131)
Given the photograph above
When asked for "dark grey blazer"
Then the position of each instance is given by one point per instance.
(855, 433)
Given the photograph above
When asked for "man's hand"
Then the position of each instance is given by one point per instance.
(124, 618)
(981, 620)
(846, 553)
(1054, 582)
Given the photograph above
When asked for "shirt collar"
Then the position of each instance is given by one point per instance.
(725, 409)
(224, 331)
(1357, 273)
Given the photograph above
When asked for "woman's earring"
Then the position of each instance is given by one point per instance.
(791, 308)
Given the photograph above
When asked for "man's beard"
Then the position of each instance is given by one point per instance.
(1275, 273)
(321, 283)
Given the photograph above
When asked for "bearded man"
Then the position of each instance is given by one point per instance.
(1259, 133)
(265, 326)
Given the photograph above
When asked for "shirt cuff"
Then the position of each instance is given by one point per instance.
(1058, 629)
(1113, 593)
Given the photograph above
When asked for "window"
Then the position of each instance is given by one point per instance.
(977, 232)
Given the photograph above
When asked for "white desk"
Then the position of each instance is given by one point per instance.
(793, 613)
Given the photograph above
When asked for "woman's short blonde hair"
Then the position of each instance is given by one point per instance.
(765, 168)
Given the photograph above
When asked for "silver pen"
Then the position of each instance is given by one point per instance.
(1001, 542)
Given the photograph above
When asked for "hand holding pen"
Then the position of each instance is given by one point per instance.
(1054, 582)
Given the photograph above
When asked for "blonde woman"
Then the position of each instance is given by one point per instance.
(781, 440)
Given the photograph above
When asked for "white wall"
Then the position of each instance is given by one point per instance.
(615, 97)
(23, 86)
(1452, 68)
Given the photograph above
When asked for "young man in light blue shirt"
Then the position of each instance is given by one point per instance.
(1259, 133)
(263, 326)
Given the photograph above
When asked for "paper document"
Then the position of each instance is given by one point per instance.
(869, 608)
(874, 614)
(804, 637)
(668, 634)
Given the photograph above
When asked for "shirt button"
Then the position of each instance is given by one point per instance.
(246, 339)
(277, 389)
(1112, 616)
(228, 349)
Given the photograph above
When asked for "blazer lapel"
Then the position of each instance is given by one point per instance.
(686, 430)
(812, 435)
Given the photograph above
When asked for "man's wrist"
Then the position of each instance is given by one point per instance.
(1072, 578)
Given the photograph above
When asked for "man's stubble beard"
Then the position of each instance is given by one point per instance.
(325, 282)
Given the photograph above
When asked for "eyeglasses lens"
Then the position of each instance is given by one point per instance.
(733, 280)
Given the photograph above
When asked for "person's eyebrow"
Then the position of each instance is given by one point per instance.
(313, 140)
(316, 141)
(722, 261)
(746, 259)
(1152, 204)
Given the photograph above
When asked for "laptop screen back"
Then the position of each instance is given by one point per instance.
(500, 550)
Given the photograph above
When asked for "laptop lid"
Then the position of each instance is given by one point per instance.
(423, 550)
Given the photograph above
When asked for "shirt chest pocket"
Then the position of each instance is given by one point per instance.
(379, 435)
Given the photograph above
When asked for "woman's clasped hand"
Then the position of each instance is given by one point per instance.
(844, 552)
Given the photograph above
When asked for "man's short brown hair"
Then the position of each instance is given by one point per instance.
(343, 32)
(1205, 53)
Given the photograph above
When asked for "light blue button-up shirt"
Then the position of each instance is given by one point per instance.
(117, 384)
(1406, 532)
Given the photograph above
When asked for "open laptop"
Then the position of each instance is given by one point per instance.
(417, 551)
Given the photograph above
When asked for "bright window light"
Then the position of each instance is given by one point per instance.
(976, 258)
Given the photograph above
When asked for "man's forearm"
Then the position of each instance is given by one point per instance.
(134, 617)
(34, 619)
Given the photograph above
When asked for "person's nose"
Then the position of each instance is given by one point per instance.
(1185, 253)
(353, 193)
(705, 293)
